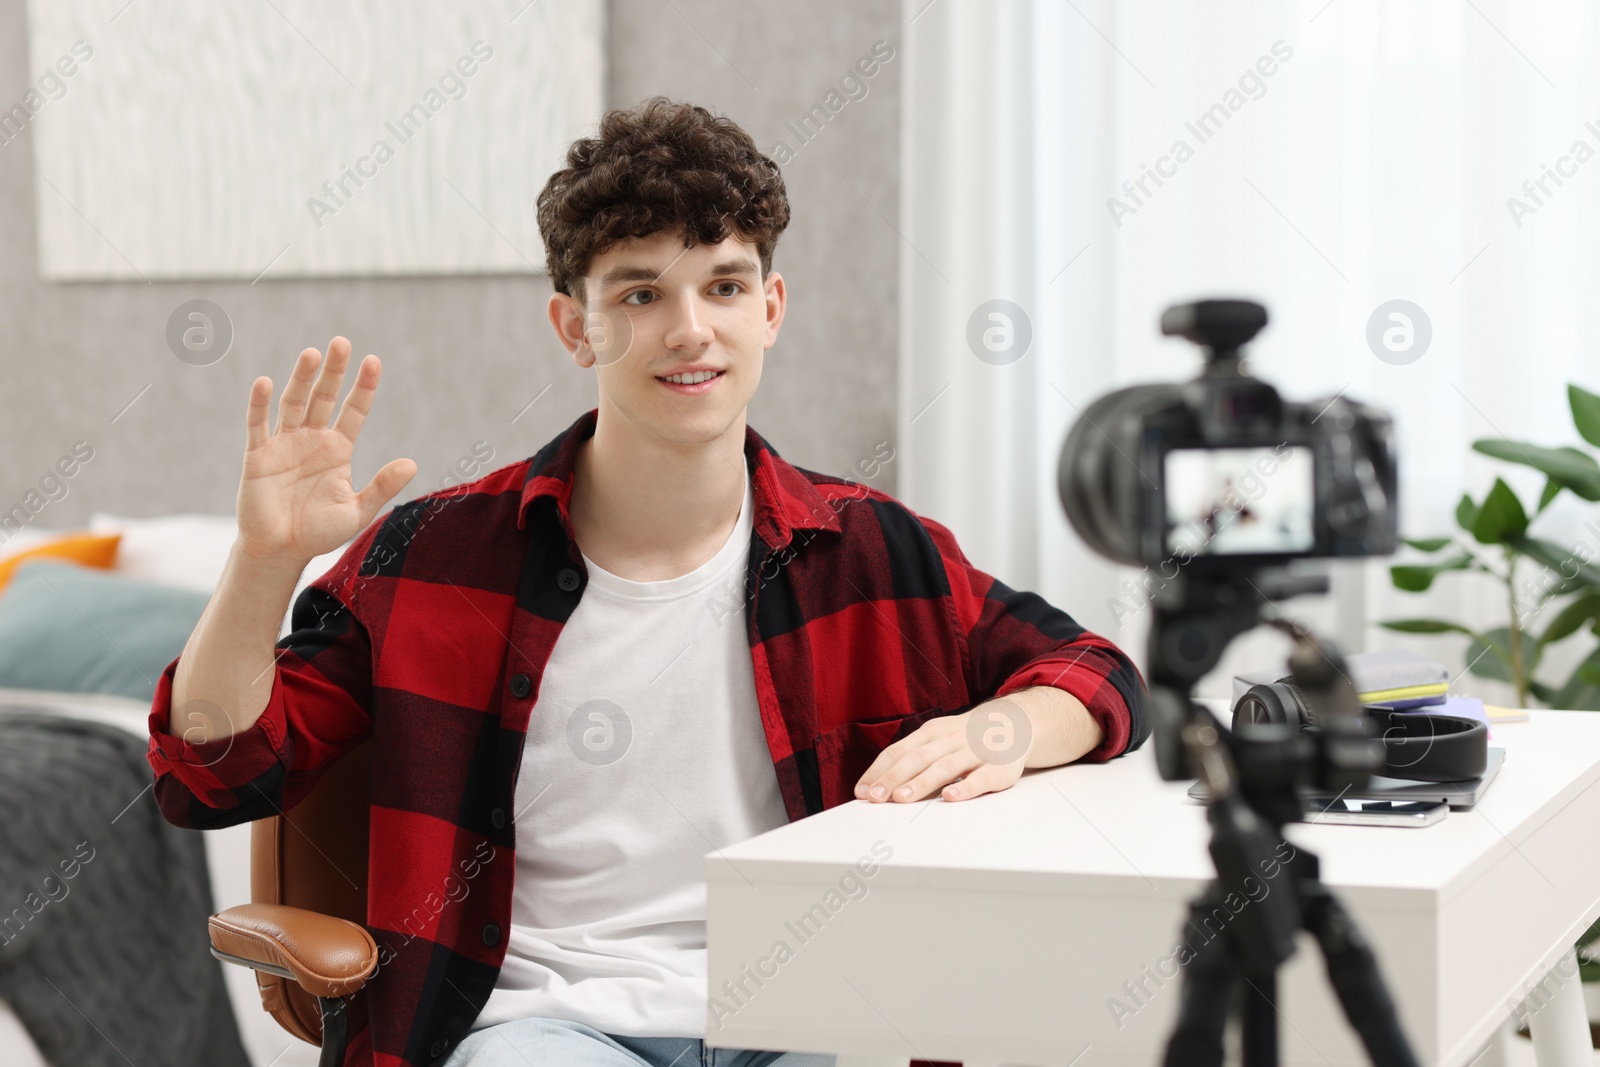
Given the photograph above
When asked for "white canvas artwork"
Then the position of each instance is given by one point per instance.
(293, 138)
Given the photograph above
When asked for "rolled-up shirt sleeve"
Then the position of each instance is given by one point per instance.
(1017, 640)
(320, 707)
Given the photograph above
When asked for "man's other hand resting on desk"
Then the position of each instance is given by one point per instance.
(984, 749)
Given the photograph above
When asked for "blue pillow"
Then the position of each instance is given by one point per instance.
(76, 629)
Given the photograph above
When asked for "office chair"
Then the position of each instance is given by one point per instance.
(302, 931)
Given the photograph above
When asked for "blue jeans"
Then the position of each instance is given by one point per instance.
(525, 1042)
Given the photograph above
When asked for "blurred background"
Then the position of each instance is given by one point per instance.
(986, 229)
(1340, 162)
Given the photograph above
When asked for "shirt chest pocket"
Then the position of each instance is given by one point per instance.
(845, 752)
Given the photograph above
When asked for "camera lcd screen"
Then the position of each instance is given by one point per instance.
(1239, 501)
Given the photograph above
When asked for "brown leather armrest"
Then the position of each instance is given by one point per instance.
(328, 957)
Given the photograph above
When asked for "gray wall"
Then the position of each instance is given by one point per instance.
(462, 356)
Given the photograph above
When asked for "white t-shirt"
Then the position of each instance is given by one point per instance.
(644, 752)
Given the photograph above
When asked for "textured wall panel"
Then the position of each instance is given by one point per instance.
(292, 138)
(463, 355)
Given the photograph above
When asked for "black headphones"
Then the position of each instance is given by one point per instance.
(1417, 745)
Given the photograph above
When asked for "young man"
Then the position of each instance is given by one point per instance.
(584, 671)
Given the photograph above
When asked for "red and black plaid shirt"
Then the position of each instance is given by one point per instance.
(430, 635)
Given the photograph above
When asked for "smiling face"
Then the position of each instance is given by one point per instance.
(654, 308)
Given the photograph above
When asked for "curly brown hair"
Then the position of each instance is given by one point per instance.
(661, 165)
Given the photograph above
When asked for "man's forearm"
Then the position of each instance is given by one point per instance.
(224, 676)
(1063, 729)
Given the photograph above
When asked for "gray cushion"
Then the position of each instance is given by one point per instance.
(70, 628)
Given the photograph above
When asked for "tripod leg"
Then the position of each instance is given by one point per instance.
(1353, 973)
(1259, 1032)
(1206, 996)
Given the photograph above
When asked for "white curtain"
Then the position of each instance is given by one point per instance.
(1341, 155)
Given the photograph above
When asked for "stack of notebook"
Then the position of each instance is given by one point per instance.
(1403, 681)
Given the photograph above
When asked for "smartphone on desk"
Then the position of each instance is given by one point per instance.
(1350, 812)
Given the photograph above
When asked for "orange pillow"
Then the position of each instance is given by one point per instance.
(89, 549)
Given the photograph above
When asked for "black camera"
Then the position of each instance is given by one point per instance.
(1231, 483)
(1221, 472)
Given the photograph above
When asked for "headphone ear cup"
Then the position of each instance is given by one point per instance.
(1270, 702)
(1296, 713)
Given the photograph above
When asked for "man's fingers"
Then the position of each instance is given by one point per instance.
(255, 416)
(903, 783)
(292, 405)
(325, 392)
(944, 736)
(384, 485)
(978, 781)
(359, 401)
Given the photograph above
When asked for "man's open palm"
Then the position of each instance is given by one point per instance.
(296, 498)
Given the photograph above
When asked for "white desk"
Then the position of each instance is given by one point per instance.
(998, 929)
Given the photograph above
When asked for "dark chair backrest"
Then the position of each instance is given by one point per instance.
(314, 857)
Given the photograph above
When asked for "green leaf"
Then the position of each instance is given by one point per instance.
(1466, 513)
(1414, 578)
(1487, 665)
(1532, 651)
(1426, 544)
(1576, 695)
(1496, 661)
(1567, 565)
(1489, 654)
(1425, 626)
(1586, 959)
(1545, 693)
(1566, 587)
(1501, 516)
(1552, 586)
(1579, 611)
(1585, 413)
(1552, 489)
(1572, 468)
(1579, 693)
(1591, 484)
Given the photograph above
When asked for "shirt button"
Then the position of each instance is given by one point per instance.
(498, 817)
(491, 934)
(520, 686)
(567, 579)
(439, 1046)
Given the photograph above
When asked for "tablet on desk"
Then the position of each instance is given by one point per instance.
(1461, 796)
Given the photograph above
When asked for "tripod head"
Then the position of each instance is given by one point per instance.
(1195, 617)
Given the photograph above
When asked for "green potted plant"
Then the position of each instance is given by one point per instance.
(1495, 539)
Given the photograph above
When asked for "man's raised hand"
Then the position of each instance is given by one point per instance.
(296, 498)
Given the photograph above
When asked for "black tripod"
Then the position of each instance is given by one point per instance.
(1252, 780)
